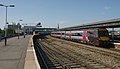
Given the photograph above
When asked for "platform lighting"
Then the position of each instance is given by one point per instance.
(6, 20)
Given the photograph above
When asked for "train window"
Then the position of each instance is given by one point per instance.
(88, 34)
(67, 34)
(79, 34)
(103, 33)
(58, 33)
(62, 33)
(73, 34)
(95, 33)
(91, 34)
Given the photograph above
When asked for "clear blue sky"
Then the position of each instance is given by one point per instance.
(64, 12)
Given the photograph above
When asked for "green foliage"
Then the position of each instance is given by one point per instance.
(10, 31)
(1, 31)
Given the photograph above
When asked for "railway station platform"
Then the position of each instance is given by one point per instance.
(117, 45)
(18, 54)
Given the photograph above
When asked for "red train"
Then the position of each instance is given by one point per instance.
(96, 37)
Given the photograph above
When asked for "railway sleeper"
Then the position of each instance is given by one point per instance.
(95, 63)
(60, 67)
(91, 64)
(72, 63)
(55, 65)
(75, 66)
(96, 66)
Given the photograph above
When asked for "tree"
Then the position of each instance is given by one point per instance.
(0, 31)
(10, 31)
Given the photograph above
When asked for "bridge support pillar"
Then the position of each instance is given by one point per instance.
(112, 34)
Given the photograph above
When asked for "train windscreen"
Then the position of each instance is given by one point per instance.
(103, 33)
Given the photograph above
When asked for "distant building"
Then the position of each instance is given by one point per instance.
(31, 29)
(44, 30)
(15, 27)
(28, 29)
(117, 32)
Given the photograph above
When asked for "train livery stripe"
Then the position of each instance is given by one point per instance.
(60, 34)
(70, 35)
(84, 35)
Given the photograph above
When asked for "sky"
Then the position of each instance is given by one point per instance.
(66, 13)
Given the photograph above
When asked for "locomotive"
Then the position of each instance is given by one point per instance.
(96, 36)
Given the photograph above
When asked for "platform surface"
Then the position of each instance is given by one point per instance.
(13, 56)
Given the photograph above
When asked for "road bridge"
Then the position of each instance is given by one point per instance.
(113, 23)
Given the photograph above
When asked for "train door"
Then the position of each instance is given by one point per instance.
(96, 38)
(92, 37)
(70, 35)
(56, 34)
(61, 34)
(67, 35)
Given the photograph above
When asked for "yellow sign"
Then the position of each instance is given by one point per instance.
(104, 38)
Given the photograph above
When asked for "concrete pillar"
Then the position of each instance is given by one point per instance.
(112, 34)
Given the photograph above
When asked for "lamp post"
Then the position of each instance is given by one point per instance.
(19, 28)
(6, 20)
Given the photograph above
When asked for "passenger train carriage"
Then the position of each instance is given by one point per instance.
(97, 37)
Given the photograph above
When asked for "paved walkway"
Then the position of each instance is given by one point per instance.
(31, 58)
(13, 55)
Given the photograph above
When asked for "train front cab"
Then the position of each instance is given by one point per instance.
(99, 37)
(103, 37)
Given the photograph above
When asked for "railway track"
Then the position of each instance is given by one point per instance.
(114, 52)
(115, 64)
(113, 49)
(54, 59)
(63, 60)
(40, 55)
(82, 60)
(63, 54)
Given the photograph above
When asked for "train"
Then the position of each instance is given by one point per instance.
(96, 36)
